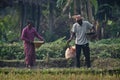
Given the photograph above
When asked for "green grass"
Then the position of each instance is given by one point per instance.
(59, 74)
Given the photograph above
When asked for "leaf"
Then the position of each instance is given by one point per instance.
(95, 4)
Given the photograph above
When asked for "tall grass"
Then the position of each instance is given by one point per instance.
(39, 76)
(58, 74)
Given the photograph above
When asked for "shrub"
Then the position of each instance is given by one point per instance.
(15, 50)
(103, 48)
(11, 51)
(53, 49)
(109, 41)
(106, 48)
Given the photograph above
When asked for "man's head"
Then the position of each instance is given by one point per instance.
(78, 18)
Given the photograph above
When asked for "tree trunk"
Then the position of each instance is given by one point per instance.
(89, 11)
(23, 15)
(38, 16)
(104, 23)
(51, 18)
(67, 6)
(83, 9)
(78, 5)
(33, 13)
(75, 6)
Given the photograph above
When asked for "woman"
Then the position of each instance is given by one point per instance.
(28, 35)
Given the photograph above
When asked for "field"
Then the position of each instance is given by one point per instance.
(59, 74)
(105, 61)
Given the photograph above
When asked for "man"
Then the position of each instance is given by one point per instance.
(28, 35)
(79, 30)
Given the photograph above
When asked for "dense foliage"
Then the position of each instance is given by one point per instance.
(106, 48)
(9, 24)
(11, 51)
(52, 16)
